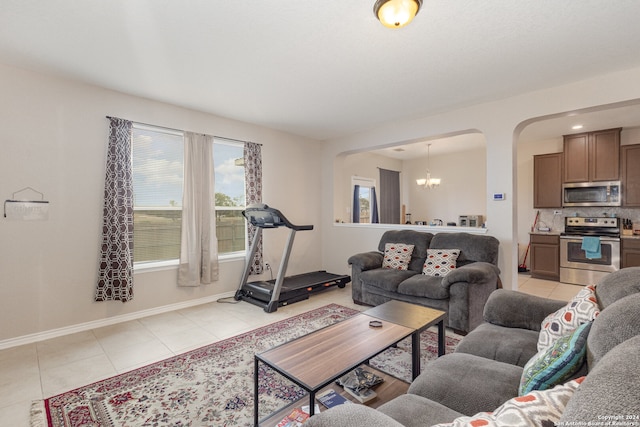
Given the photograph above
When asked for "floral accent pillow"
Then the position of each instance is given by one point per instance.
(537, 408)
(440, 262)
(397, 256)
(581, 309)
(556, 365)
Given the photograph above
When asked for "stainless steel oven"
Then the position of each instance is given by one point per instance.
(576, 266)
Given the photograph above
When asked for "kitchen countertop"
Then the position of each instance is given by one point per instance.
(632, 236)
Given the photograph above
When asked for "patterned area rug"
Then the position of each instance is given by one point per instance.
(213, 385)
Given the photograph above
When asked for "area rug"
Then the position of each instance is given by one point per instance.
(213, 385)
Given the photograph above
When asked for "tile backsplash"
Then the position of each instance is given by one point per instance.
(556, 222)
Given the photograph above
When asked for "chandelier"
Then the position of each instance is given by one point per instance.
(428, 182)
(396, 13)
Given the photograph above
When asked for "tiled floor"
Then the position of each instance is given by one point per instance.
(34, 371)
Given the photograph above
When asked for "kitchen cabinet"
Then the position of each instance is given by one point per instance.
(630, 249)
(545, 256)
(629, 161)
(592, 156)
(547, 180)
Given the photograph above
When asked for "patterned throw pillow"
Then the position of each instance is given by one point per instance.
(581, 309)
(397, 256)
(440, 262)
(554, 366)
(538, 408)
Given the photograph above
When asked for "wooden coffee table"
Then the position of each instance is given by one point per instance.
(317, 359)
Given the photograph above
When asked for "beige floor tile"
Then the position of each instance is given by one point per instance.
(66, 349)
(117, 337)
(168, 323)
(19, 375)
(16, 414)
(134, 356)
(183, 341)
(565, 292)
(76, 374)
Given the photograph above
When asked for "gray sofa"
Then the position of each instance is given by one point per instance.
(462, 293)
(485, 370)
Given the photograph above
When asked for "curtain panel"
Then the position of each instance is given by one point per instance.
(199, 243)
(389, 196)
(253, 195)
(115, 272)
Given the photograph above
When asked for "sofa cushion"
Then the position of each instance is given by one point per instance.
(412, 410)
(558, 363)
(386, 278)
(538, 408)
(424, 286)
(515, 346)
(581, 309)
(397, 256)
(440, 262)
(612, 388)
(473, 247)
(466, 383)
(616, 324)
(618, 285)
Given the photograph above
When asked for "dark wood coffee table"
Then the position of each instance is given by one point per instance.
(317, 359)
(416, 317)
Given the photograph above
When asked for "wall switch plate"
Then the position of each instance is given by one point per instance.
(557, 212)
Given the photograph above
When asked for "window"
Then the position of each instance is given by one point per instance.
(364, 200)
(158, 166)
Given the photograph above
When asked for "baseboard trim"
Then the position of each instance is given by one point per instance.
(81, 327)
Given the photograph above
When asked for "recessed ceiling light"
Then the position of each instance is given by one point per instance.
(576, 127)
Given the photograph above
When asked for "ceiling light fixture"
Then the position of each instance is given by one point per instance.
(396, 13)
(576, 127)
(428, 182)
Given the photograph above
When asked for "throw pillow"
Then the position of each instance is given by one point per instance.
(557, 364)
(440, 262)
(581, 309)
(397, 256)
(538, 408)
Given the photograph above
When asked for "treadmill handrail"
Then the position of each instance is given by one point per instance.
(270, 218)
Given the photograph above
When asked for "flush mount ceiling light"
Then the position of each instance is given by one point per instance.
(396, 13)
(428, 182)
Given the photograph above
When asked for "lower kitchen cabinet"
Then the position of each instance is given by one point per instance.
(630, 253)
(545, 256)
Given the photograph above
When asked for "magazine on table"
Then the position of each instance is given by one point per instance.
(331, 398)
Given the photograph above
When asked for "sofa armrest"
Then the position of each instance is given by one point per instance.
(477, 272)
(366, 260)
(514, 309)
(351, 416)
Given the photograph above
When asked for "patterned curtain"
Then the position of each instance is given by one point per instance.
(115, 275)
(253, 193)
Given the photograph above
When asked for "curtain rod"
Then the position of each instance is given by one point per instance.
(182, 130)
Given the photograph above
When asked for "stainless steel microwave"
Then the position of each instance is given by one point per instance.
(605, 193)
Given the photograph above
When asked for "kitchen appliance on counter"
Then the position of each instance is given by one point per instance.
(470, 220)
(577, 265)
(605, 193)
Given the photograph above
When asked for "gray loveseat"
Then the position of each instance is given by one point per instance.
(485, 370)
(462, 293)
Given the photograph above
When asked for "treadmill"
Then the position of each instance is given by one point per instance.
(282, 290)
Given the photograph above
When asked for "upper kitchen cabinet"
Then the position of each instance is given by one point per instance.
(630, 161)
(547, 180)
(592, 156)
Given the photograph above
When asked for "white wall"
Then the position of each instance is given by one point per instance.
(461, 192)
(363, 165)
(53, 134)
(500, 122)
